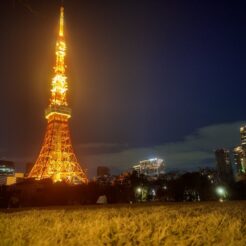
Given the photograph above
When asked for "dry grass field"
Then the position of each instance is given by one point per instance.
(167, 224)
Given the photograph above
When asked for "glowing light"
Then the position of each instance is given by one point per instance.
(139, 190)
(57, 159)
(54, 113)
(59, 85)
(220, 190)
(61, 26)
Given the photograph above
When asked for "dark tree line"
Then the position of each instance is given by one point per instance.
(132, 188)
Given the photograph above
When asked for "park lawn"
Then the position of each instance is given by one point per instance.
(208, 223)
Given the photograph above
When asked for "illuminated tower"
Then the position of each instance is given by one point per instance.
(56, 159)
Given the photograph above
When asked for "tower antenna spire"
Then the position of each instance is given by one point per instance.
(61, 22)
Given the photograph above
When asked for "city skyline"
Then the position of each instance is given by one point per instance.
(137, 92)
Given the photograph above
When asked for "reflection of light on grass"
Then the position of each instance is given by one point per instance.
(111, 225)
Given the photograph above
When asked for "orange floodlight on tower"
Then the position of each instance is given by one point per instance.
(56, 159)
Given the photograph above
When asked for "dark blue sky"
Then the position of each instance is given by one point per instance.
(141, 74)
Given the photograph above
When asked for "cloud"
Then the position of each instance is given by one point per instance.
(195, 150)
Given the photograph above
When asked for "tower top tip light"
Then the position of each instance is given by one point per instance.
(61, 24)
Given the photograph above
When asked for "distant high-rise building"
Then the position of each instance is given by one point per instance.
(240, 160)
(18, 177)
(8, 174)
(103, 171)
(240, 156)
(151, 167)
(243, 136)
(7, 168)
(224, 165)
(103, 176)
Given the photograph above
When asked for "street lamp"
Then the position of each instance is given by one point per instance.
(221, 191)
(140, 192)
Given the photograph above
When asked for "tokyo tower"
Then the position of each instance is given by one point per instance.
(56, 159)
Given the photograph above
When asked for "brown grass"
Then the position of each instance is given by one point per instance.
(171, 224)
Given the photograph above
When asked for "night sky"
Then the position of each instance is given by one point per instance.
(146, 78)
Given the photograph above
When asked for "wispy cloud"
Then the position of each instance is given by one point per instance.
(193, 151)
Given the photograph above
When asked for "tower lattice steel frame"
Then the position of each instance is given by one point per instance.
(56, 159)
